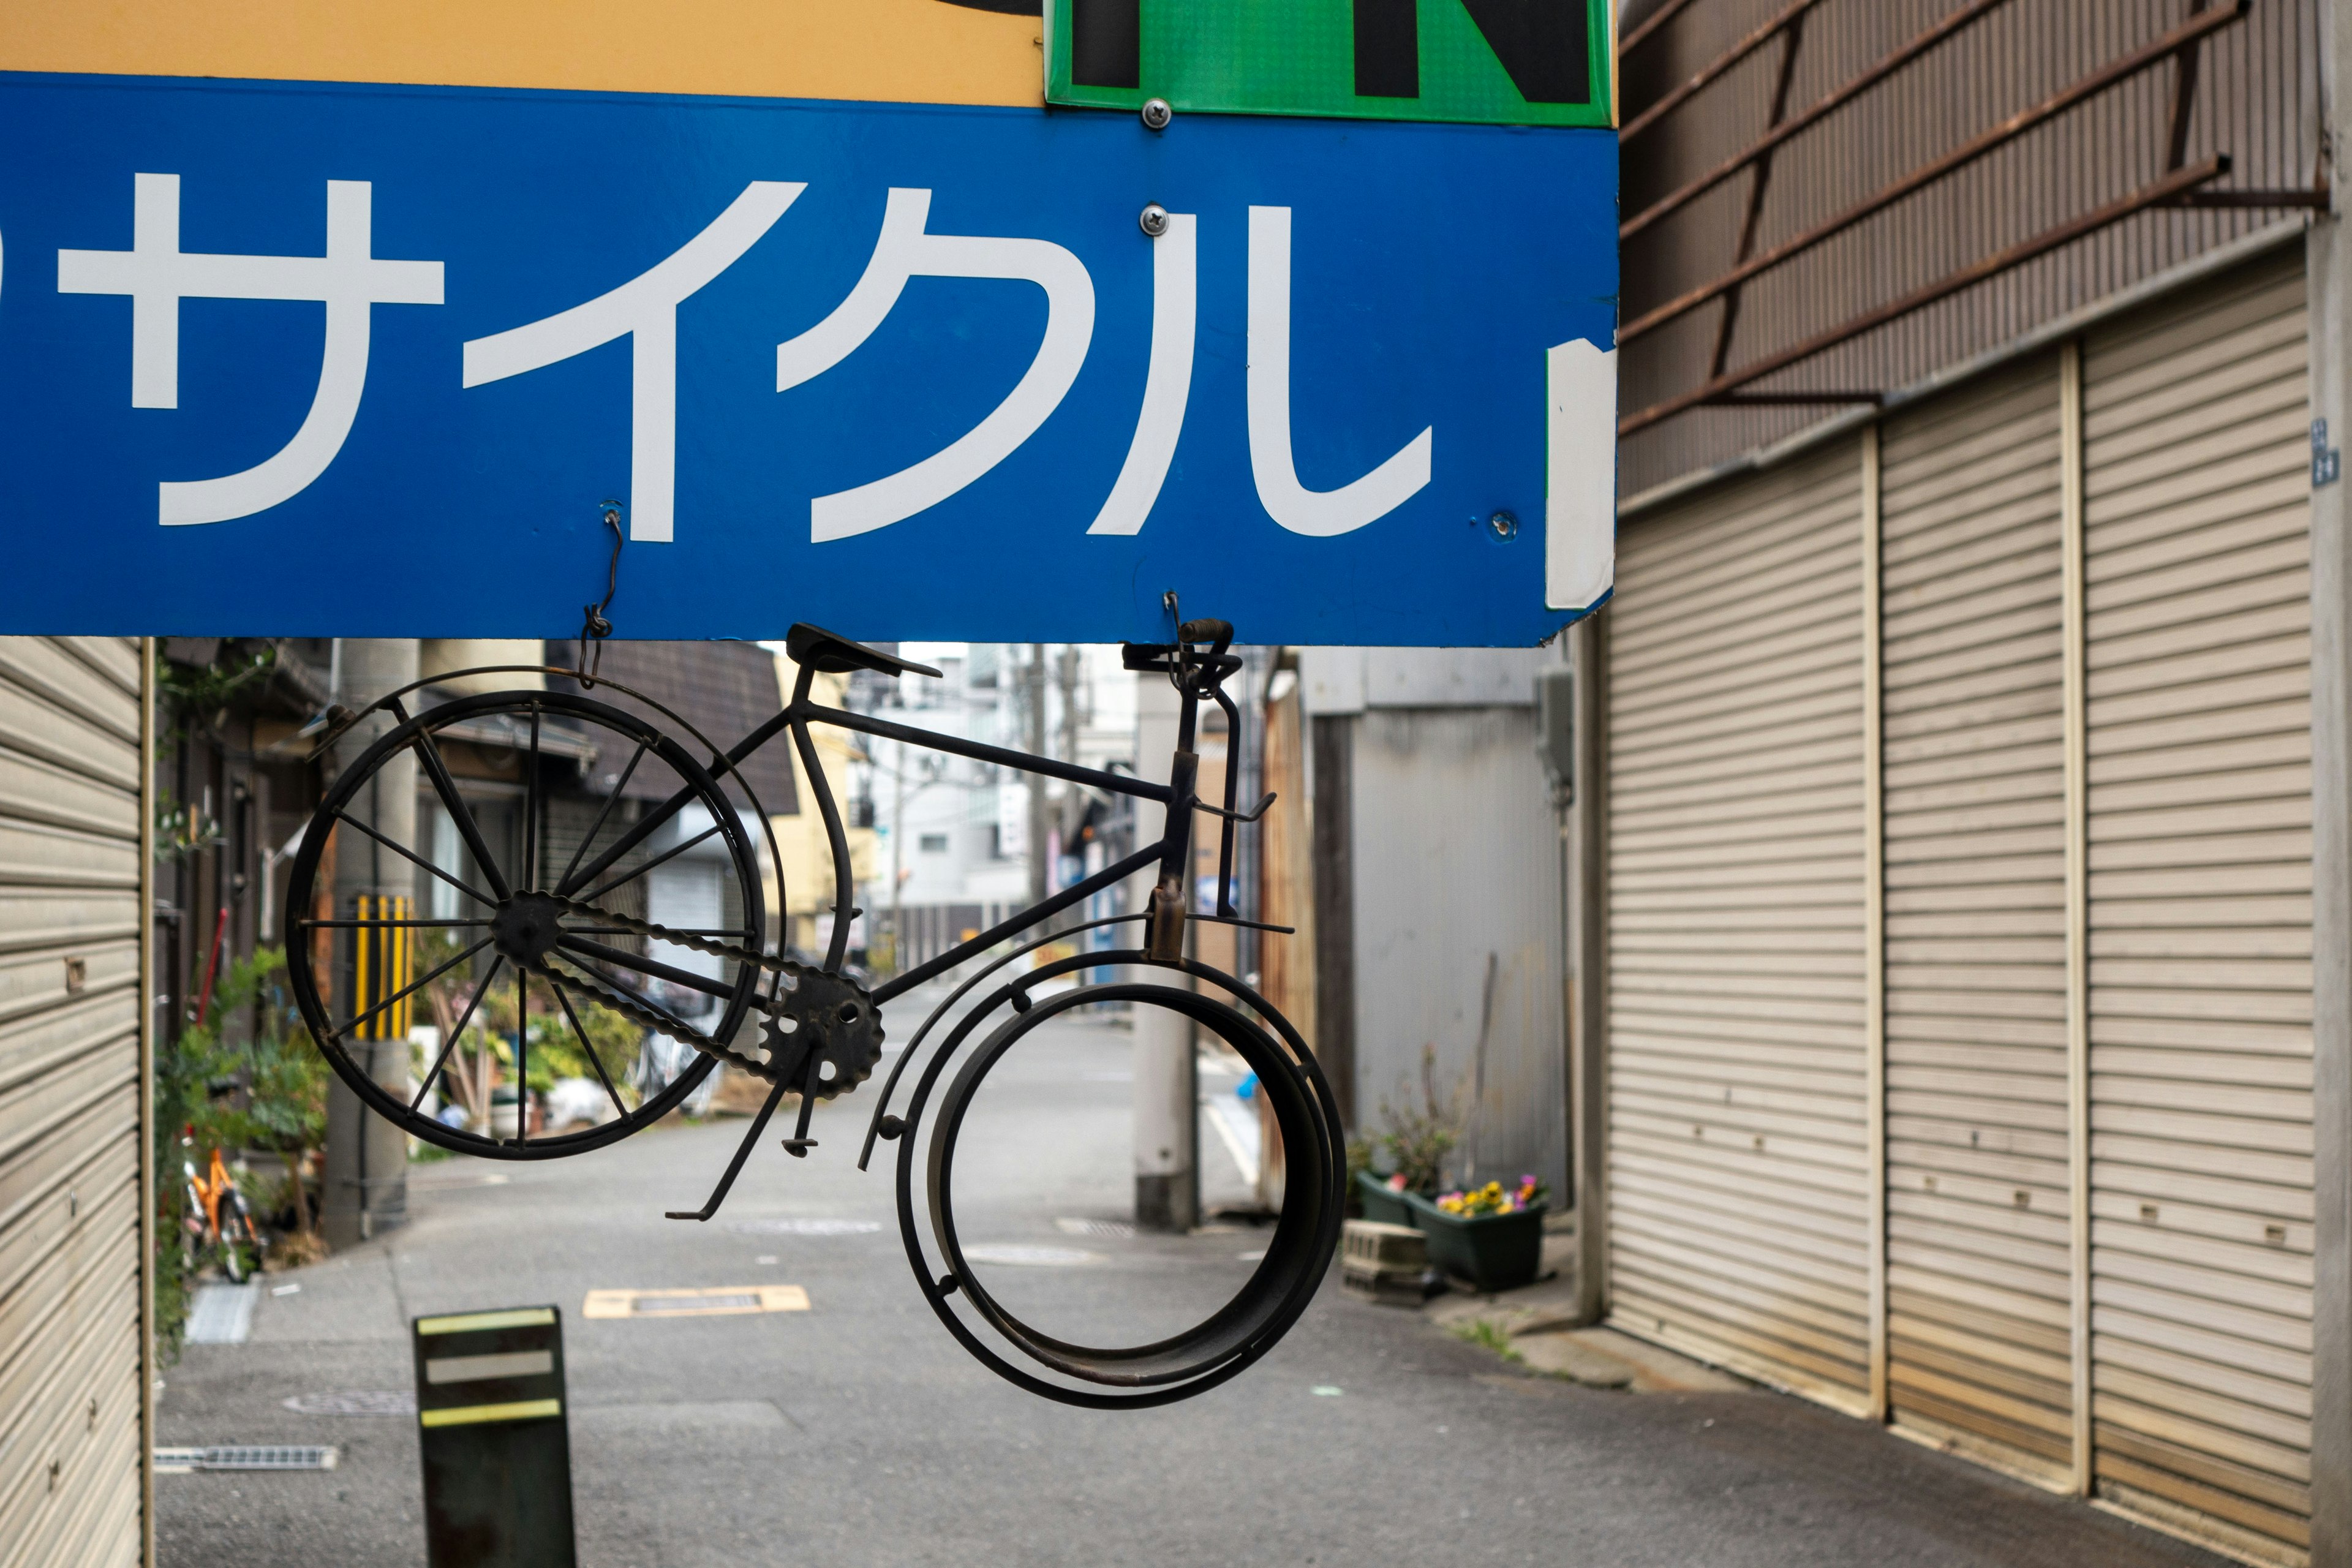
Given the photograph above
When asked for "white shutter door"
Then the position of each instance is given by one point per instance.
(1977, 1183)
(2198, 594)
(70, 1231)
(1738, 1224)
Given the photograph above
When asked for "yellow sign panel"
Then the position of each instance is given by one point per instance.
(908, 51)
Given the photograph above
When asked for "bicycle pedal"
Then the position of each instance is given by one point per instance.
(798, 1148)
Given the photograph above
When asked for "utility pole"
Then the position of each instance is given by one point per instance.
(1032, 698)
(897, 857)
(367, 1157)
(1167, 1096)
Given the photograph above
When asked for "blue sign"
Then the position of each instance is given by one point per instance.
(330, 361)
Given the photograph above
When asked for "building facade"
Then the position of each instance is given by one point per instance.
(1957, 1030)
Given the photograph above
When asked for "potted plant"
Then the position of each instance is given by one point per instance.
(1412, 1147)
(1491, 1235)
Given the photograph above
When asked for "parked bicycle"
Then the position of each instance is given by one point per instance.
(813, 1028)
(218, 1222)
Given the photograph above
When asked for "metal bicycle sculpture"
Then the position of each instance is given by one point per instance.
(812, 1029)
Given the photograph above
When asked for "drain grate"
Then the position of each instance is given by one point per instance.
(1113, 1229)
(245, 1457)
(379, 1402)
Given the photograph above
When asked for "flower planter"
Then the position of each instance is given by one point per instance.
(1382, 1202)
(1493, 1252)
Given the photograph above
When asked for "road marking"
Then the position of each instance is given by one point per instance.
(804, 1227)
(719, 1301)
(382, 1402)
(1031, 1256)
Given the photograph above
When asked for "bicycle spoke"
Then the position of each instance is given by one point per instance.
(639, 831)
(414, 858)
(459, 1032)
(428, 751)
(611, 801)
(652, 968)
(412, 986)
(563, 1000)
(632, 876)
(308, 924)
(672, 1024)
(529, 877)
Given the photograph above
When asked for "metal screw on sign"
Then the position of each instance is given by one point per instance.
(1157, 114)
(1504, 525)
(1154, 220)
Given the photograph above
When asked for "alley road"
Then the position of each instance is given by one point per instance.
(858, 1435)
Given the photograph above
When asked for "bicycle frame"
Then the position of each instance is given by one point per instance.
(1195, 675)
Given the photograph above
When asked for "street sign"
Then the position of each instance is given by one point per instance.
(355, 360)
(1505, 62)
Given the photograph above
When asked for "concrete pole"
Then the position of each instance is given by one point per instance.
(898, 857)
(2328, 279)
(367, 1157)
(1033, 741)
(1167, 1131)
(1585, 832)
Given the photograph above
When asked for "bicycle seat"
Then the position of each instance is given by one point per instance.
(817, 649)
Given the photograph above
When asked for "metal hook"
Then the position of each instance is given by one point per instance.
(595, 627)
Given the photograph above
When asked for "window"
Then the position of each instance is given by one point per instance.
(934, 844)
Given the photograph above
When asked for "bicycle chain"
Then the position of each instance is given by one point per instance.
(628, 1006)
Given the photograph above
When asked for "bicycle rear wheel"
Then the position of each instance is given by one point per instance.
(556, 934)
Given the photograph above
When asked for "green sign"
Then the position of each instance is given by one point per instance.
(1497, 62)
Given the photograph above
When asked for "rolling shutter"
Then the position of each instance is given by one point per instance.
(1978, 1269)
(2198, 598)
(1738, 1191)
(71, 1234)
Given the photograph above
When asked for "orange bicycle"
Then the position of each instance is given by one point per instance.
(218, 1219)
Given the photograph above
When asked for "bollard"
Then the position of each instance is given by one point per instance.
(496, 1442)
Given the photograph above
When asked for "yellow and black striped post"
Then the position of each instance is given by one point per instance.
(496, 1443)
(383, 961)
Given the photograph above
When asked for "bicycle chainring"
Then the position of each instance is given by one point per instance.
(809, 1010)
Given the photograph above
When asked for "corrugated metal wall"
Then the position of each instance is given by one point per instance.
(1740, 1224)
(2098, 1159)
(2197, 464)
(71, 1225)
(1458, 924)
(1978, 1229)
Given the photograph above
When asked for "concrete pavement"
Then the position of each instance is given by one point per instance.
(858, 1434)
